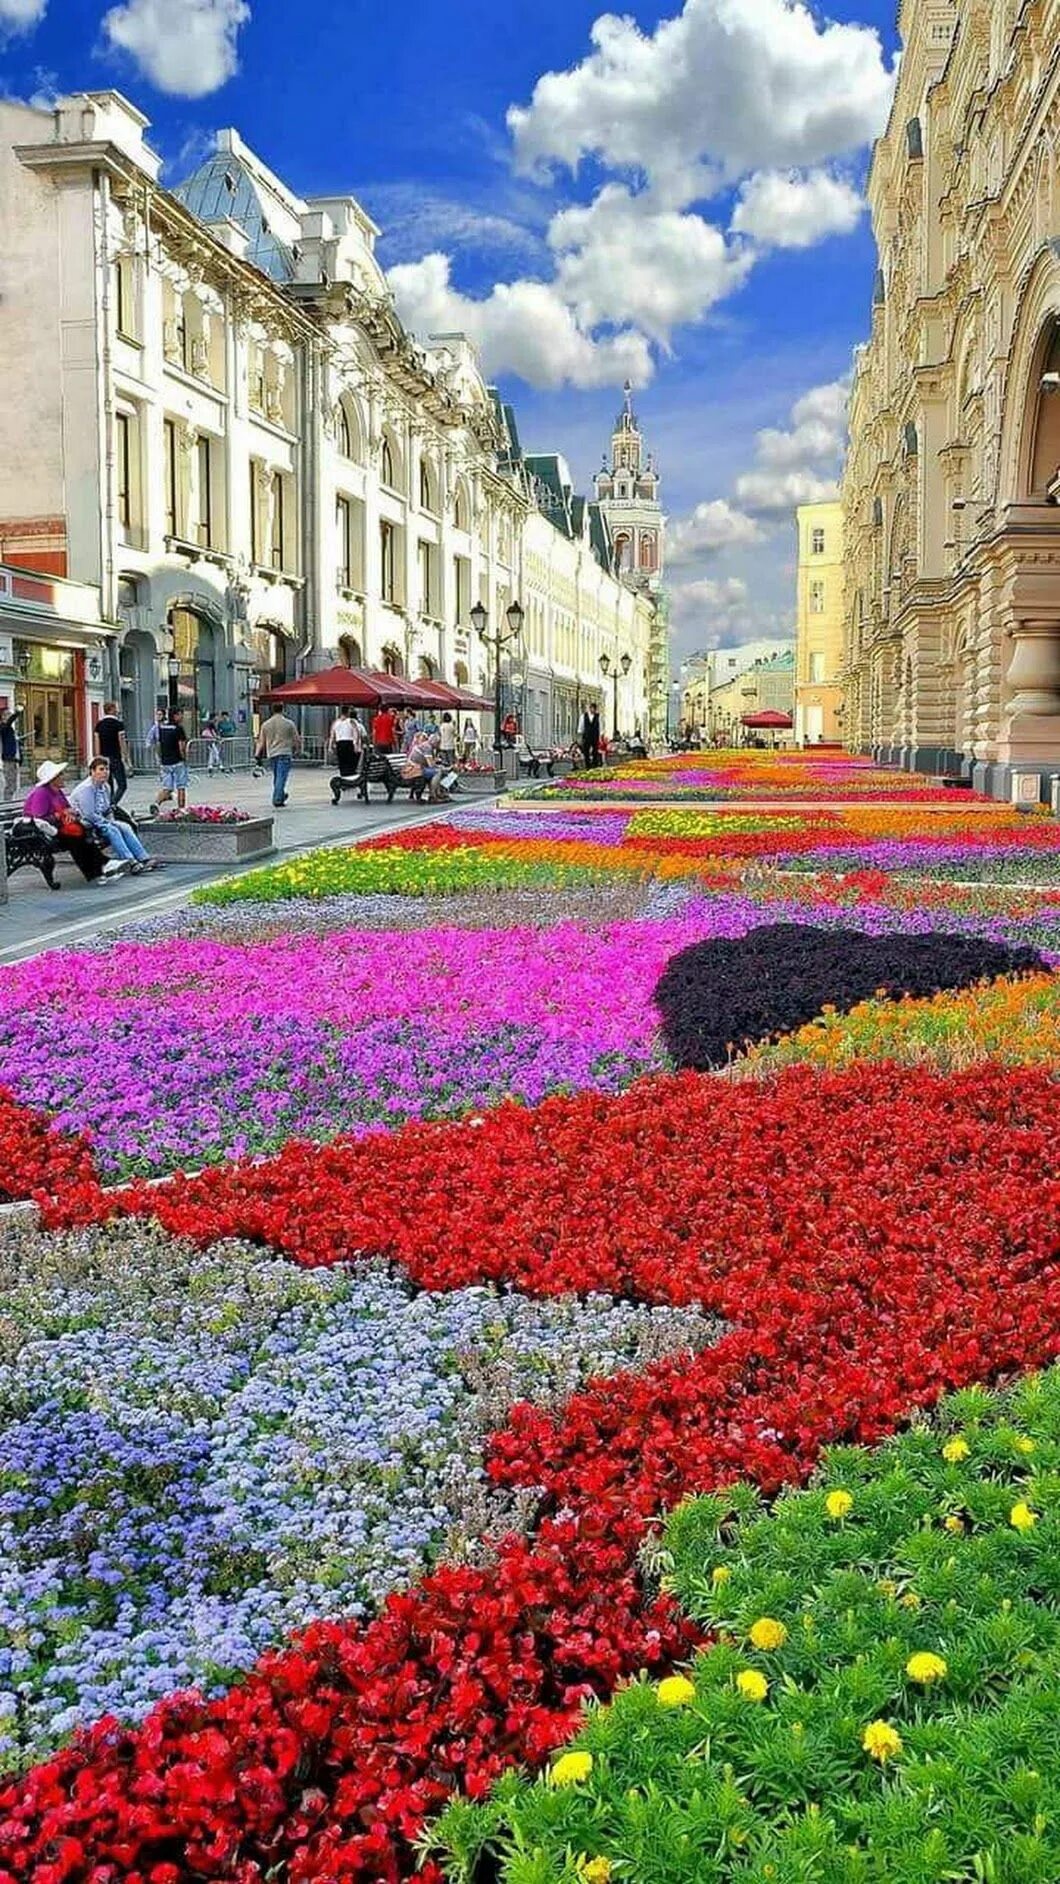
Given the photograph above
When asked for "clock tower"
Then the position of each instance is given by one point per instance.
(627, 492)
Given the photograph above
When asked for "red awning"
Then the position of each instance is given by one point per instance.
(766, 721)
(336, 686)
(440, 692)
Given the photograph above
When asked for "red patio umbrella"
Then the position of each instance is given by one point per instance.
(769, 720)
(336, 686)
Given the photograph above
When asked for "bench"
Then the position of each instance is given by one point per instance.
(532, 764)
(29, 849)
(377, 768)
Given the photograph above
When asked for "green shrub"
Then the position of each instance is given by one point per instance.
(862, 1762)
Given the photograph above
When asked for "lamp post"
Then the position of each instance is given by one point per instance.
(173, 676)
(497, 638)
(623, 666)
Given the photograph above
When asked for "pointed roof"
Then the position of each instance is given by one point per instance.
(227, 189)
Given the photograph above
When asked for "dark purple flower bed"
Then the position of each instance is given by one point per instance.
(717, 997)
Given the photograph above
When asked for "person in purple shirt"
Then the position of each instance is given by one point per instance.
(48, 804)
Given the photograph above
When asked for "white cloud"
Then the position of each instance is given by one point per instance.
(775, 495)
(739, 84)
(624, 258)
(415, 220)
(521, 327)
(785, 210)
(185, 47)
(17, 16)
(710, 528)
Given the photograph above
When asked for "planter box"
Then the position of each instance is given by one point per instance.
(208, 843)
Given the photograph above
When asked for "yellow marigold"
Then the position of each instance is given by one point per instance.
(1022, 1518)
(953, 1523)
(925, 1668)
(752, 1685)
(887, 1587)
(570, 1769)
(675, 1691)
(594, 1870)
(839, 1504)
(880, 1741)
(910, 1600)
(720, 1574)
(955, 1450)
(767, 1633)
(1023, 1444)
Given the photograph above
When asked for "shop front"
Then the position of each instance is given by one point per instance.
(53, 665)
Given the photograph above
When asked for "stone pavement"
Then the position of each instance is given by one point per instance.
(35, 918)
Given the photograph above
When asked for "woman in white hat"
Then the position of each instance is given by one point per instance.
(48, 804)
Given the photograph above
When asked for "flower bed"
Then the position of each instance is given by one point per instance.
(220, 838)
(881, 1698)
(719, 775)
(204, 814)
(203, 1383)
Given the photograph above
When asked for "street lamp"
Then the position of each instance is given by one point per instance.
(173, 673)
(498, 638)
(623, 667)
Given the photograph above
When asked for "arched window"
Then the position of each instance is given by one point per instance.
(427, 668)
(392, 660)
(343, 441)
(386, 464)
(350, 651)
(647, 552)
(460, 673)
(426, 487)
(462, 509)
(623, 553)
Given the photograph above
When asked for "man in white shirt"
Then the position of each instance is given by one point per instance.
(347, 737)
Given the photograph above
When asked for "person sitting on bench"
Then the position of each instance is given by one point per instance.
(420, 770)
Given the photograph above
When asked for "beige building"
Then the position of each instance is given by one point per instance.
(952, 635)
(819, 709)
(767, 686)
(211, 413)
(708, 673)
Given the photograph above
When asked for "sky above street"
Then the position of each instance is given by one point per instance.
(672, 194)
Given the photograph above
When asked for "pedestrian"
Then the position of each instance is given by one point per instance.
(172, 743)
(447, 741)
(470, 741)
(10, 752)
(51, 810)
(212, 740)
(279, 744)
(509, 730)
(384, 730)
(419, 764)
(408, 732)
(589, 736)
(111, 744)
(226, 726)
(94, 805)
(347, 739)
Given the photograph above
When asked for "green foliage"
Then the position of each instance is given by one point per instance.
(721, 1788)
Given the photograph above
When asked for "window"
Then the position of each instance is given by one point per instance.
(344, 536)
(278, 521)
(203, 466)
(123, 299)
(255, 517)
(817, 598)
(169, 452)
(388, 560)
(386, 464)
(817, 543)
(343, 441)
(124, 454)
(816, 669)
(426, 495)
(257, 380)
(427, 562)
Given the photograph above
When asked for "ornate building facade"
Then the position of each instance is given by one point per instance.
(952, 631)
(212, 413)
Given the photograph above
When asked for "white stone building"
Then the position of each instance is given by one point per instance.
(211, 412)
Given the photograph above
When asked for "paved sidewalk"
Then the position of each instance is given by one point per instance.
(35, 918)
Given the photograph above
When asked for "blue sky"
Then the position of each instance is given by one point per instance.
(640, 215)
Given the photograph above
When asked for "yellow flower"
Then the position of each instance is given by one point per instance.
(910, 1600)
(953, 1523)
(767, 1634)
(1022, 1518)
(720, 1574)
(880, 1741)
(570, 1769)
(675, 1691)
(594, 1870)
(1023, 1444)
(925, 1668)
(955, 1450)
(839, 1504)
(752, 1685)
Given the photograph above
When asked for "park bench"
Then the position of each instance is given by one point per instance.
(27, 848)
(377, 768)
